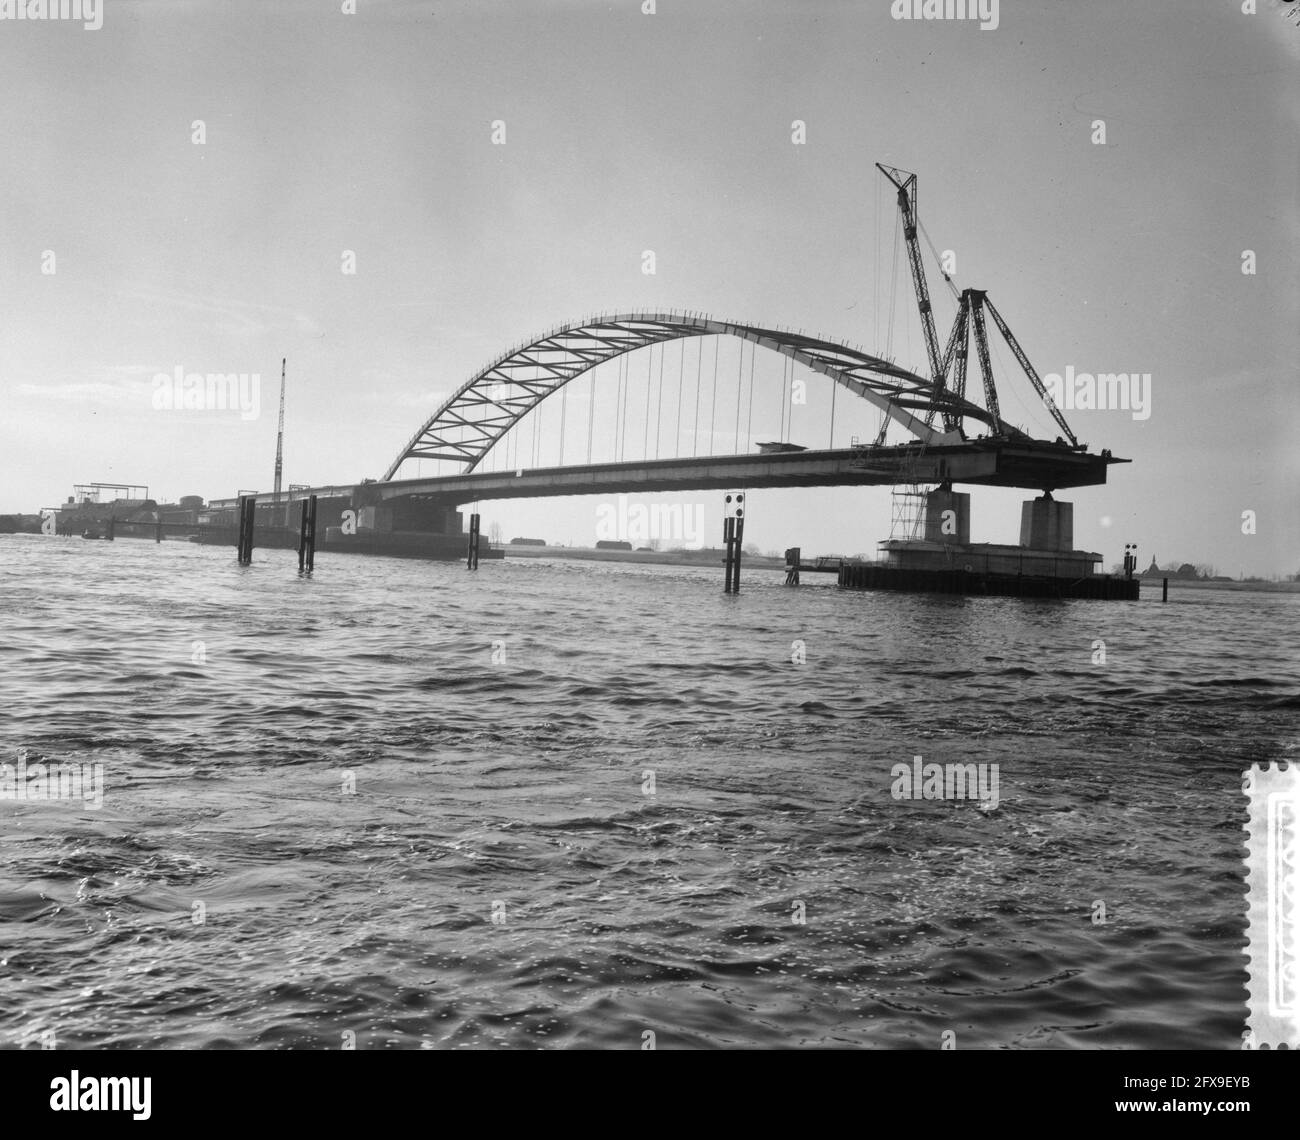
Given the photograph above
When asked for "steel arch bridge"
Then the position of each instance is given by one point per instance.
(479, 413)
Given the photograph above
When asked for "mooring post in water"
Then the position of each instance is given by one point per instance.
(111, 522)
(307, 536)
(793, 556)
(311, 544)
(302, 538)
(247, 508)
(739, 542)
(1164, 589)
(471, 562)
(728, 530)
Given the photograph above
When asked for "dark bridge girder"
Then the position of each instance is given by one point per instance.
(473, 420)
(997, 463)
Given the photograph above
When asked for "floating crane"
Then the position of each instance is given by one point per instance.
(970, 315)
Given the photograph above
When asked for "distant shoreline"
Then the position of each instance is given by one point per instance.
(1153, 583)
(710, 557)
(714, 558)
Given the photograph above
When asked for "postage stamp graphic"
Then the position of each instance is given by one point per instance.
(1273, 932)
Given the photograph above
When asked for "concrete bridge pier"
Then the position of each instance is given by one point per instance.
(1046, 524)
(947, 516)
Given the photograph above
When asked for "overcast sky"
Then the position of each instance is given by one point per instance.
(672, 132)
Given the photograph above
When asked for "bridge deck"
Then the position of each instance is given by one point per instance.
(994, 463)
(998, 463)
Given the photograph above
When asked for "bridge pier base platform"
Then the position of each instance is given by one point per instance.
(878, 576)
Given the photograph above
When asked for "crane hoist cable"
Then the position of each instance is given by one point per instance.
(893, 293)
(875, 269)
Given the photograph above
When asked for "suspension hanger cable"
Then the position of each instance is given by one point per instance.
(591, 413)
(649, 376)
(618, 397)
(618, 410)
(681, 375)
(780, 401)
(627, 399)
(713, 413)
(834, 389)
(659, 411)
(789, 422)
(749, 427)
(564, 407)
(699, 367)
(740, 379)
(537, 421)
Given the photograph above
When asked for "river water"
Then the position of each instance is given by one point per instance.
(557, 804)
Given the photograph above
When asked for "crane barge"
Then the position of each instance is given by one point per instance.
(938, 555)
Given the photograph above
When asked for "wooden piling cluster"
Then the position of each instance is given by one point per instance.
(307, 536)
(247, 506)
(306, 532)
(793, 556)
